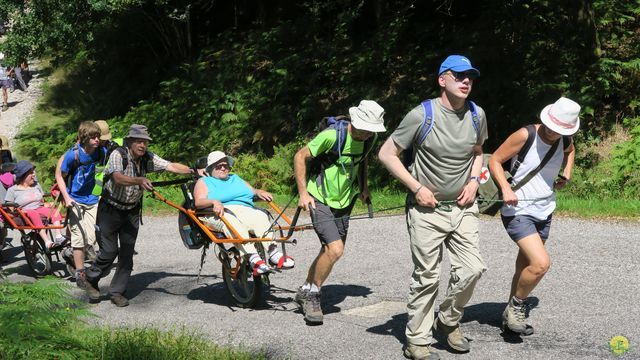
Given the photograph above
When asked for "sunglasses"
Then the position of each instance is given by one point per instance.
(460, 76)
(222, 166)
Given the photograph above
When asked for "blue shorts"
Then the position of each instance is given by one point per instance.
(521, 226)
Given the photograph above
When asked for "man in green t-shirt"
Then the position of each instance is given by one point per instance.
(446, 169)
(331, 193)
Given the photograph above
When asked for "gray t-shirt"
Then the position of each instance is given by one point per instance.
(28, 199)
(443, 161)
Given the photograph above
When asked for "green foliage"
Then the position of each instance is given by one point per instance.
(38, 321)
(41, 320)
(246, 78)
(148, 343)
(626, 162)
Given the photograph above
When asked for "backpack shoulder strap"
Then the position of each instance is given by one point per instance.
(567, 140)
(427, 122)
(531, 135)
(123, 154)
(474, 117)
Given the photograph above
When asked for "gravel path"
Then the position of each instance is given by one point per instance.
(587, 297)
(21, 105)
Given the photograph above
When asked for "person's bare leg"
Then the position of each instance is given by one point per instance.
(323, 264)
(538, 262)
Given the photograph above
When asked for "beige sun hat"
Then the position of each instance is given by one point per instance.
(368, 116)
(105, 133)
(216, 156)
(562, 116)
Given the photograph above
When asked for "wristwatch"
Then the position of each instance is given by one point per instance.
(475, 178)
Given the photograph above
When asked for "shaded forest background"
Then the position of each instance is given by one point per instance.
(254, 77)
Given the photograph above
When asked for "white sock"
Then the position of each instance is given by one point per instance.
(314, 288)
(306, 286)
(254, 258)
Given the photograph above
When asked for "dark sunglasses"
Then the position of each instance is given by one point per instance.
(460, 76)
(222, 166)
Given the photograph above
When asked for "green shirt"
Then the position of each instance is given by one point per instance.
(338, 184)
(443, 161)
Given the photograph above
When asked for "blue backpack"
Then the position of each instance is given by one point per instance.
(427, 125)
(321, 162)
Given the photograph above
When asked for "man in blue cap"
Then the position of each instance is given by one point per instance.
(444, 135)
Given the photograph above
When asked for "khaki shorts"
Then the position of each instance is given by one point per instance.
(87, 223)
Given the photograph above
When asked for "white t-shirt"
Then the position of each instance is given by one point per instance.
(538, 187)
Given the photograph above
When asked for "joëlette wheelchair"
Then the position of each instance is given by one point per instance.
(38, 257)
(241, 284)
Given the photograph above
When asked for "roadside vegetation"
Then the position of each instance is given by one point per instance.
(42, 320)
(255, 79)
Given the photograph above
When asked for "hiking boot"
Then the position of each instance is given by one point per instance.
(420, 352)
(119, 300)
(455, 339)
(82, 282)
(301, 295)
(311, 308)
(513, 318)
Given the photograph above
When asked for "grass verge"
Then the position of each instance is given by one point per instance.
(42, 320)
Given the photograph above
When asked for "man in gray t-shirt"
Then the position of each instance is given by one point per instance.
(441, 208)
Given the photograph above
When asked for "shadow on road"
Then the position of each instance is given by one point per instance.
(140, 282)
(394, 327)
(484, 313)
(333, 295)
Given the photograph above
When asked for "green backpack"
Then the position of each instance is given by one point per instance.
(99, 175)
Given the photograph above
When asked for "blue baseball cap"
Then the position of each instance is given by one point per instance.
(457, 63)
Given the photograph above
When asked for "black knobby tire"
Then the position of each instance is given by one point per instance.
(38, 258)
(245, 289)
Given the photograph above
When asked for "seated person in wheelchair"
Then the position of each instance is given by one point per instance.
(28, 194)
(231, 196)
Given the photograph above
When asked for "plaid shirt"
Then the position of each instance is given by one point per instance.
(128, 197)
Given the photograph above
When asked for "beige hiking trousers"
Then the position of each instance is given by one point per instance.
(430, 231)
(246, 221)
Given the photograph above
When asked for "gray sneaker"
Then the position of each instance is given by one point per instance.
(311, 308)
(84, 284)
(420, 352)
(455, 339)
(514, 318)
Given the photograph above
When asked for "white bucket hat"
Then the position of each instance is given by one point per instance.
(367, 116)
(562, 116)
(216, 156)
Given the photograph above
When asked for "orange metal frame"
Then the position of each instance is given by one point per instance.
(195, 216)
(9, 214)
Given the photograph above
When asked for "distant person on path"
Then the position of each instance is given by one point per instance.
(120, 209)
(75, 176)
(21, 73)
(332, 192)
(528, 222)
(446, 168)
(5, 83)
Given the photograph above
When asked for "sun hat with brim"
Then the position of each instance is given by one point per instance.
(22, 167)
(215, 156)
(562, 116)
(4, 143)
(137, 131)
(368, 116)
(457, 63)
(105, 134)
